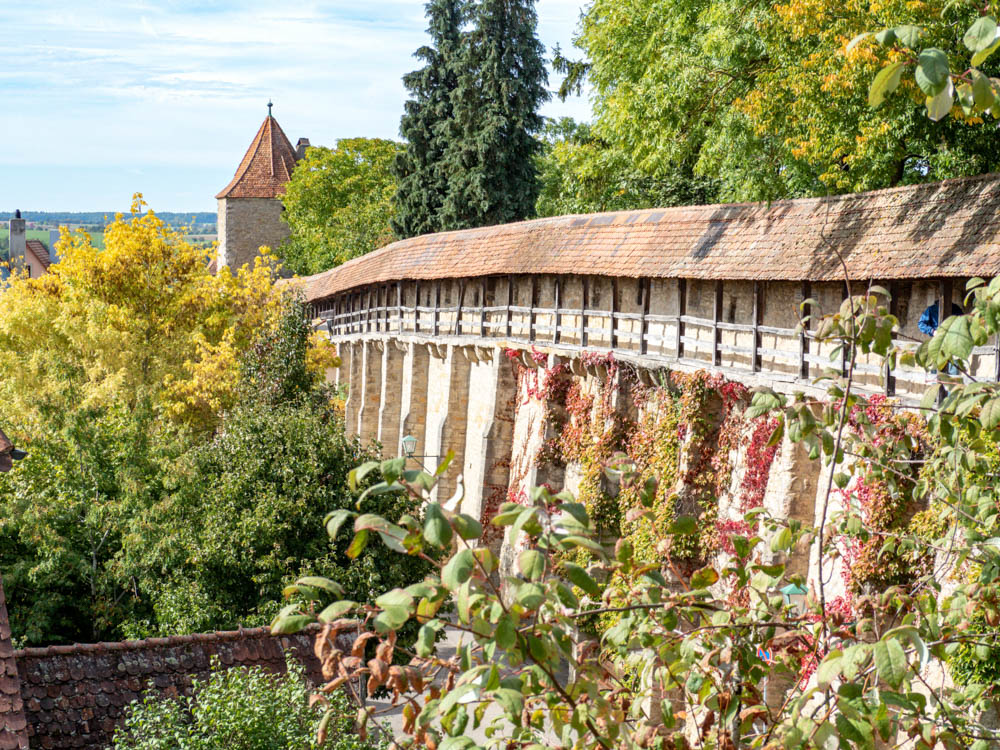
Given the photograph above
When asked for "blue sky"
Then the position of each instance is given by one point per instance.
(103, 99)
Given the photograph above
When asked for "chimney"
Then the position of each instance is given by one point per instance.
(18, 241)
(300, 148)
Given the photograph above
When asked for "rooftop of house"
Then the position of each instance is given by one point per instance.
(943, 229)
(266, 167)
(40, 252)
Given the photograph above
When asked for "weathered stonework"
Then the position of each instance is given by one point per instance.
(247, 224)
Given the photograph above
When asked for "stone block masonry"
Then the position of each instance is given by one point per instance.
(13, 726)
(246, 225)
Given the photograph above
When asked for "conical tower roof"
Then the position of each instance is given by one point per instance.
(266, 167)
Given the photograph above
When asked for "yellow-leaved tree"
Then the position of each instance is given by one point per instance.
(142, 322)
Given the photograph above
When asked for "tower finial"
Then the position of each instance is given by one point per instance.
(269, 105)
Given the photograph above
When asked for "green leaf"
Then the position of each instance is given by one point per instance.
(357, 544)
(932, 71)
(437, 530)
(704, 578)
(940, 105)
(530, 596)
(506, 633)
(981, 34)
(467, 526)
(395, 598)
(884, 83)
(982, 91)
(532, 564)
(335, 520)
(890, 661)
(782, 540)
(990, 415)
(956, 337)
(321, 583)
(886, 37)
(458, 570)
(683, 525)
(829, 669)
(336, 610)
(581, 579)
(425, 640)
(908, 35)
(980, 57)
(291, 623)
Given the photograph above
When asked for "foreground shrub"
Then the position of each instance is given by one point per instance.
(244, 708)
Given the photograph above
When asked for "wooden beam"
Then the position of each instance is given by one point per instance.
(716, 331)
(368, 311)
(844, 350)
(461, 301)
(531, 306)
(437, 308)
(557, 316)
(482, 307)
(399, 306)
(583, 311)
(645, 285)
(510, 302)
(804, 335)
(681, 312)
(416, 307)
(890, 380)
(614, 312)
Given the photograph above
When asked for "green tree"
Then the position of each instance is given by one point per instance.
(766, 99)
(491, 143)
(339, 204)
(426, 122)
(580, 173)
(241, 515)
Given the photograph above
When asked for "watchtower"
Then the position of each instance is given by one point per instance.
(250, 210)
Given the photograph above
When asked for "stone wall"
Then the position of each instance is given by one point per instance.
(75, 696)
(246, 224)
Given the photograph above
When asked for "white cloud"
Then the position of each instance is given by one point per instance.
(184, 82)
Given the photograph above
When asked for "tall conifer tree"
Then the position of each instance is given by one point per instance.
(502, 80)
(419, 169)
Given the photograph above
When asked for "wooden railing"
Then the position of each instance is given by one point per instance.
(669, 338)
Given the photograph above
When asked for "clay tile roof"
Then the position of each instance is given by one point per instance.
(944, 229)
(266, 166)
(13, 728)
(40, 252)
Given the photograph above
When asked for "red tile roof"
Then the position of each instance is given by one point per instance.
(266, 166)
(40, 252)
(949, 228)
(13, 728)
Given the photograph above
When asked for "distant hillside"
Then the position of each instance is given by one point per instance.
(100, 217)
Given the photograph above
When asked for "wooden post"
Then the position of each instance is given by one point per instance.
(757, 312)
(437, 308)
(996, 358)
(557, 316)
(482, 307)
(944, 299)
(399, 306)
(583, 311)
(804, 335)
(645, 285)
(416, 307)
(681, 312)
(531, 305)
(843, 351)
(890, 380)
(458, 314)
(716, 331)
(368, 311)
(614, 312)
(510, 301)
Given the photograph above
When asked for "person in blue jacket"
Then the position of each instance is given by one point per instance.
(929, 321)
